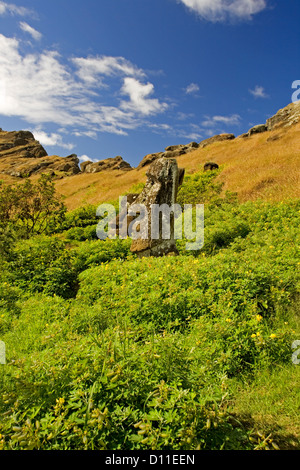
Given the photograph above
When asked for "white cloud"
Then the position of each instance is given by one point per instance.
(40, 88)
(220, 10)
(30, 30)
(258, 92)
(192, 88)
(232, 120)
(51, 140)
(90, 68)
(12, 9)
(85, 158)
(92, 134)
(139, 98)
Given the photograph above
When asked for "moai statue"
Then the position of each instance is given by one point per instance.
(155, 224)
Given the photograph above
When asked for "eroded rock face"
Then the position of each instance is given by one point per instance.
(172, 151)
(216, 138)
(210, 166)
(116, 163)
(20, 144)
(22, 156)
(257, 129)
(164, 178)
(285, 117)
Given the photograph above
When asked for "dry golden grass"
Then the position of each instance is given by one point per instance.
(254, 168)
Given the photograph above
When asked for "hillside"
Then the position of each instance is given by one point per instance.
(262, 164)
(105, 350)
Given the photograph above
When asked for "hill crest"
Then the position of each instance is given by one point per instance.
(262, 163)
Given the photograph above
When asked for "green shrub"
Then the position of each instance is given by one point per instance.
(42, 264)
(95, 252)
(152, 353)
(81, 217)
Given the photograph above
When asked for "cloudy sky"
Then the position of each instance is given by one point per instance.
(102, 78)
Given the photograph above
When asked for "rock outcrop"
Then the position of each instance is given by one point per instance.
(22, 156)
(216, 138)
(116, 163)
(164, 179)
(257, 129)
(285, 117)
(174, 151)
(209, 166)
(20, 144)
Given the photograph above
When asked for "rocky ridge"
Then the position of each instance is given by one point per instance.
(21, 155)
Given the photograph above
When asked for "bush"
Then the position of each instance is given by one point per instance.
(82, 233)
(94, 253)
(81, 217)
(153, 353)
(31, 208)
(42, 264)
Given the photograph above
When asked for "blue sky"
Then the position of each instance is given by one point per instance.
(102, 78)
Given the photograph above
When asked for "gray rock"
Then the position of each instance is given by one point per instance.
(257, 129)
(164, 178)
(209, 166)
(216, 138)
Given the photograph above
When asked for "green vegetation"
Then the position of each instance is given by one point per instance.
(106, 351)
(31, 208)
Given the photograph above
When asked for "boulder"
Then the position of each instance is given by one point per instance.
(172, 151)
(257, 129)
(116, 163)
(148, 159)
(209, 166)
(285, 117)
(22, 156)
(216, 138)
(163, 180)
(68, 165)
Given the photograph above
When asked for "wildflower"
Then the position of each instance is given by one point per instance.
(253, 336)
(272, 336)
(228, 320)
(259, 317)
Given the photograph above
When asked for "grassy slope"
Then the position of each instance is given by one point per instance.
(254, 168)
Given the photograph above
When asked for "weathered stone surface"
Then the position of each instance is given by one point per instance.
(21, 156)
(216, 138)
(285, 117)
(116, 163)
(257, 129)
(131, 198)
(22, 167)
(149, 159)
(164, 178)
(172, 151)
(68, 164)
(20, 144)
(209, 166)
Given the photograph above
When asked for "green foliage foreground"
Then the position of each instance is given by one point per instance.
(105, 351)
